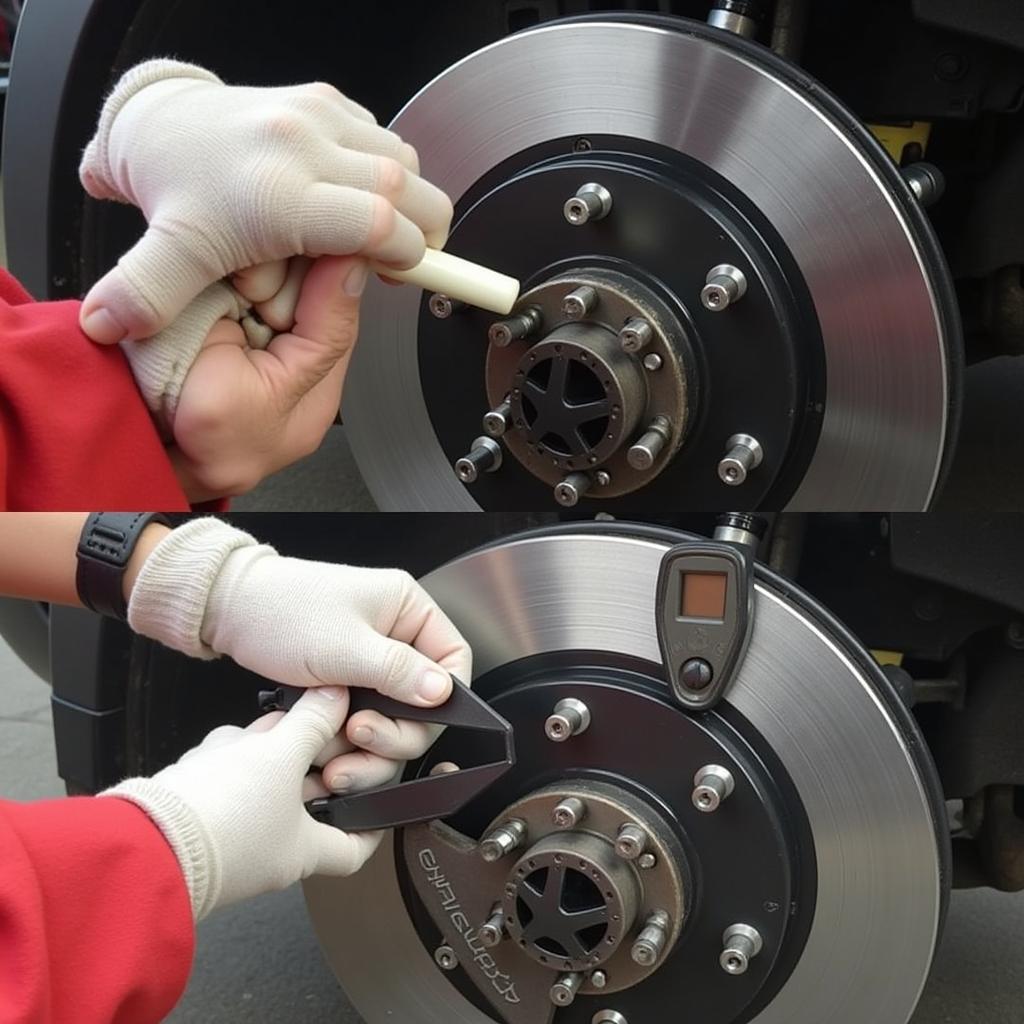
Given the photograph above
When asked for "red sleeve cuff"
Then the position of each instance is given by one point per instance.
(74, 431)
(95, 919)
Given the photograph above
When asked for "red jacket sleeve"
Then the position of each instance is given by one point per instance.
(74, 431)
(95, 920)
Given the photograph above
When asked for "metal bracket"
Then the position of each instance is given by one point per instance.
(419, 800)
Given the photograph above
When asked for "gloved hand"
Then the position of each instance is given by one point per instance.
(241, 398)
(208, 589)
(232, 809)
(231, 177)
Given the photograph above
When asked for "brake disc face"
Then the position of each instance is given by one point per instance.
(836, 357)
(825, 847)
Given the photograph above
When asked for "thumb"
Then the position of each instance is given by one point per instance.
(340, 853)
(151, 284)
(326, 322)
(398, 670)
(316, 718)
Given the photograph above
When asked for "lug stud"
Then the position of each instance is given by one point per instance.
(714, 784)
(568, 813)
(564, 990)
(484, 457)
(644, 453)
(497, 420)
(742, 943)
(725, 284)
(492, 931)
(744, 455)
(570, 718)
(650, 943)
(631, 841)
(569, 491)
(591, 202)
(636, 334)
(443, 306)
(577, 304)
(503, 840)
(513, 328)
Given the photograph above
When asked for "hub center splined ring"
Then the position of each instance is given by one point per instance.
(581, 898)
(578, 399)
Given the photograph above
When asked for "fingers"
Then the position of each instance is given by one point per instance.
(151, 284)
(261, 282)
(398, 740)
(340, 853)
(316, 717)
(423, 203)
(357, 771)
(422, 623)
(326, 324)
(336, 746)
(340, 220)
(222, 736)
(278, 309)
(399, 671)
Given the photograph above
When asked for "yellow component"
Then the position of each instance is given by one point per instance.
(888, 657)
(896, 137)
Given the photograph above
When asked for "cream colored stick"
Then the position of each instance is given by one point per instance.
(459, 279)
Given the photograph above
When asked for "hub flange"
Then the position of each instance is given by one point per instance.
(578, 398)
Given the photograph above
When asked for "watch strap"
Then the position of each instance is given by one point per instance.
(104, 549)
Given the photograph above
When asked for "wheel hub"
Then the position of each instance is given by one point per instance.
(582, 390)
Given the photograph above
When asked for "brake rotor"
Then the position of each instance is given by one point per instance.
(828, 847)
(840, 358)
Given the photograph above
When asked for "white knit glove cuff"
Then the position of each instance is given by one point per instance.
(171, 592)
(160, 364)
(184, 832)
(94, 170)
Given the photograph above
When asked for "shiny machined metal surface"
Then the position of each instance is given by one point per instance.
(884, 429)
(879, 896)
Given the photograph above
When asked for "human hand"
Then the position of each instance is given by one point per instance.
(232, 808)
(208, 589)
(231, 177)
(243, 413)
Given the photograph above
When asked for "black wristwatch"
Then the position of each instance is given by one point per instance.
(104, 549)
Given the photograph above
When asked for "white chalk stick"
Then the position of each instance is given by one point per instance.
(459, 279)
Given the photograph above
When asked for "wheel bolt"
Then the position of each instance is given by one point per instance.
(569, 491)
(631, 841)
(725, 284)
(445, 958)
(714, 784)
(492, 931)
(598, 979)
(484, 456)
(570, 718)
(645, 452)
(652, 362)
(742, 943)
(563, 992)
(512, 328)
(635, 334)
(496, 421)
(577, 304)
(503, 840)
(744, 455)
(442, 306)
(591, 202)
(646, 861)
(568, 813)
(650, 943)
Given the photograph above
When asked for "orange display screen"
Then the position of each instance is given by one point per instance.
(704, 595)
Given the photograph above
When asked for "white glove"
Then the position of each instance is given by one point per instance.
(209, 589)
(230, 177)
(232, 808)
